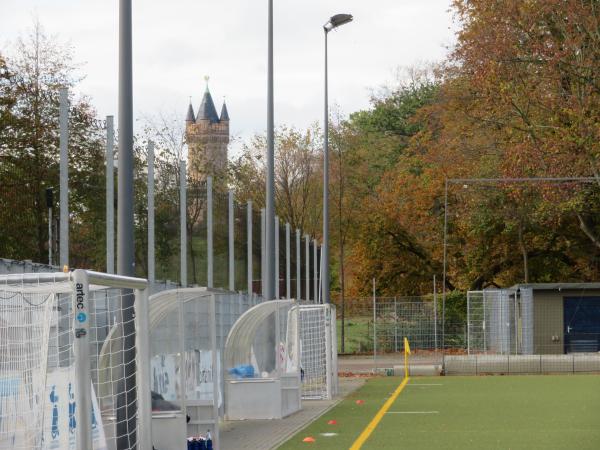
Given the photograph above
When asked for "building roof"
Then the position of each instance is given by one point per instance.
(190, 114)
(558, 286)
(207, 110)
(224, 112)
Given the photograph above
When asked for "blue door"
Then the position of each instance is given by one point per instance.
(582, 324)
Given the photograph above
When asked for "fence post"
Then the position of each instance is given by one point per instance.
(435, 320)
(298, 267)
(374, 327)
(64, 177)
(395, 325)
(183, 223)
(307, 265)
(315, 271)
(151, 253)
(277, 257)
(468, 323)
(110, 195)
(288, 262)
(231, 241)
(209, 232)
(263, 262)
(142, 336)
(249, 248)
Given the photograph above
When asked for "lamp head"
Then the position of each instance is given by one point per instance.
(337, 21)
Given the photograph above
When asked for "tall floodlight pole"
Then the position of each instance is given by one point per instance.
(269, 275)
(64, 177)
(334, 22)
(110, 195)
(126, 395)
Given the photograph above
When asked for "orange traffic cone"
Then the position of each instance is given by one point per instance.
(309, 439)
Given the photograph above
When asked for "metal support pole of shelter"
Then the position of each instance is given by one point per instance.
(64, 176)
(110, 195)
(183, 223)
(307, 265)
(209, 233)
(231, 241)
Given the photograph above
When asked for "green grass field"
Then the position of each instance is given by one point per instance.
(464, 413)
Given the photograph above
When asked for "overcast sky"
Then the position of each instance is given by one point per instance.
(177, 42)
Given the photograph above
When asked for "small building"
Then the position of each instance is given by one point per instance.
(535, 319)
(566, 317)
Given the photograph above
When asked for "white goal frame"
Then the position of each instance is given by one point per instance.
(80, 288)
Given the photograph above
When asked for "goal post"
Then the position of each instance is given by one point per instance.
(62, 359)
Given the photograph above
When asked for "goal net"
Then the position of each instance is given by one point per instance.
(318, 349)
(49, 324)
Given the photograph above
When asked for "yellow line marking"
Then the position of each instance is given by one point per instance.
(373, 424)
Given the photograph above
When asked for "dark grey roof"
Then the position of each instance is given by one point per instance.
(207, 110)
(558, 286)
(190, 114)
(224, 112)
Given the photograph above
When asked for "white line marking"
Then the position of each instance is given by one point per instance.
(413, 412)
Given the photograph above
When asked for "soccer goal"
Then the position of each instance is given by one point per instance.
(318, 344)
(74, 365)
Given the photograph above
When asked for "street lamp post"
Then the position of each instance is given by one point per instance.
(334, 22)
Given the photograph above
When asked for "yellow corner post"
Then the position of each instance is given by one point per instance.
(406, 353)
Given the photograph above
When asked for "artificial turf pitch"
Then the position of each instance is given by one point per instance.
(463, 413)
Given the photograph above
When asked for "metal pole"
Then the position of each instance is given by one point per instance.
(183, 222)
(468, 323)
(64, 176)
(125, 237)
(288, 262)
(374, 327)
(81, 348)
(298, 266)
(270, 188)
(315, 271)
(142, 320)
(127, 392)
(395, 325)
(249, 248)
(307, 265)
(151, 253)
(325, 249)
(276, 257)
(445, 265)
(110, 195)
(209, 232)
(263, 251)
(49, 236)
(231, 243)
(435, 319)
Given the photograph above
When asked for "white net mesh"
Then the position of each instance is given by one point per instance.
(38, 408)
(313, 352)
(25, 320)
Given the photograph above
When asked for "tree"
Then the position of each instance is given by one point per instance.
(297, 176)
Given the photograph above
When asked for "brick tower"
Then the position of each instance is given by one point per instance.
(207, 136)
